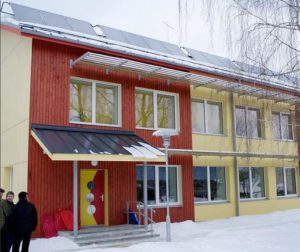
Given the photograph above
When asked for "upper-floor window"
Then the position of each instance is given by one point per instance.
(252, 182)
(247, 122)
(95, 102)
(282, 126)
(207, 117)
(156, 110)
(209, 183)
(286, 184)
(156, 184)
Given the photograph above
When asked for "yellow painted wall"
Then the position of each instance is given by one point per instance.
(15, 95)
(207, 211)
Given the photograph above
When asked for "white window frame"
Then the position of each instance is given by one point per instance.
(94, 83)
(209, 201)
(179, 186)
(285, 184)
(280, 126)
(205, 117)
(258, 121)
(250, 181)
(155, 114)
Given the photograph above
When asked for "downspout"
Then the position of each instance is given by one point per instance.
(235, 162)
(145, 192)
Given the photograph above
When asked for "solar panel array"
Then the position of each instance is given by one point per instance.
(31, 15)
(141, 41)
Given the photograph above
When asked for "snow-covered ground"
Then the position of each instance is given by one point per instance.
(273, 232)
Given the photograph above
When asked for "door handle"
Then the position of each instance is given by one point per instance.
(102, 197)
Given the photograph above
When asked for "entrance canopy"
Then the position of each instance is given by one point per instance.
(78, 144)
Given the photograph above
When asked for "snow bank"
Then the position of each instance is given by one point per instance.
(273, 232)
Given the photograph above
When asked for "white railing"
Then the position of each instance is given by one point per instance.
(137, 207)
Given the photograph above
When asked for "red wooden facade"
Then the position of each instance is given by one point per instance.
(50, 182)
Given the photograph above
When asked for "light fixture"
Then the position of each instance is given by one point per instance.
(94, 163)
(166, 136)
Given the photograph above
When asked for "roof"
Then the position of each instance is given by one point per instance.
(43, 23)
(78, 144)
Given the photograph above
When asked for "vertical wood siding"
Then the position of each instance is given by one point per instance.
(50, 182)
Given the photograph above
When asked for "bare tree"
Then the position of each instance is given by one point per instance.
(265, 33)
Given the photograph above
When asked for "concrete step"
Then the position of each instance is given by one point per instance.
(105, 241)
(110, 236)
(101, 229)
(115, 233)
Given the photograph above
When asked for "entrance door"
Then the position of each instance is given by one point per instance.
(91, 197)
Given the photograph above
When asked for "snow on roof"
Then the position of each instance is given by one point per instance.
(59, 27)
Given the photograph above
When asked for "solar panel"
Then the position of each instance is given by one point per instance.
(113, 34)
(141, 41)
(136, 40)
(27, 14)
(211, 59)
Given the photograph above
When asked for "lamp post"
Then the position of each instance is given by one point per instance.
(166, 136)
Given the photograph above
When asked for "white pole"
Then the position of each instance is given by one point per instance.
(166, 136)
(168, 219)
(75, 198)
(145, 197)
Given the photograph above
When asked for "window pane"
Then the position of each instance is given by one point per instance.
(166, 111)
(276, 125)
(144, 115)
(290, 181)
(200, 184)
(214, 118)
(253, 125)
(150, 184)
(240, 121)
(258, 184)
(217, 183)
(198, 122)
(244, 183)
(106, 104)
(280, 182)
(81, 101)
(286, 127)
(172, 185)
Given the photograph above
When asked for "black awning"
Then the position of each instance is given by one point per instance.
(70, 143)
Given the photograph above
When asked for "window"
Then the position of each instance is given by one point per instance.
(8, 177)
(155, 109)
(282, 126)
(286, 181)
(209, 184)
(207, 117)
(95, 102)
(156, 184)
(252, 184)
(247, 122)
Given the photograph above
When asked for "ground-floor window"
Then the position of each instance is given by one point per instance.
(286, 184)
(252, 184)
(209, 183)
(156, 184)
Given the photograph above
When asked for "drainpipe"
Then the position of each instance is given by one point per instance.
(75, 198)
(235, 162)
(145, 197)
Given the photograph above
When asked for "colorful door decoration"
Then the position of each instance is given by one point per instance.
(91, 197)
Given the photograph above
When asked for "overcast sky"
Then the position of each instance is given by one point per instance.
(153, 18)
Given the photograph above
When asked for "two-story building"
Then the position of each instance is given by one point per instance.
(80, 104)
